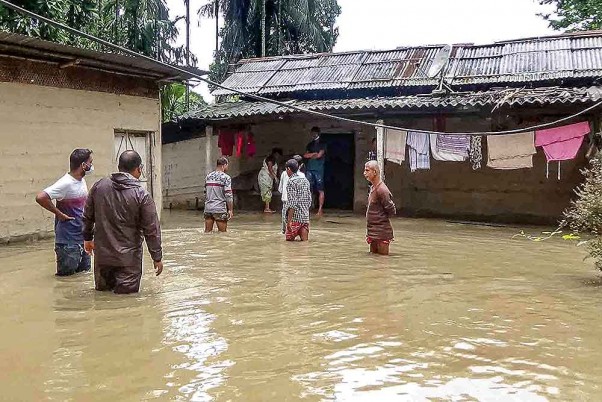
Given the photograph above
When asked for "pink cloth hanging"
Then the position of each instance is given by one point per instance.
(225, 141)
(240, 142)
(562, 143)
(251, 149)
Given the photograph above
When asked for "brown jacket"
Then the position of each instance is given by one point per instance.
(118, 215)
(380, 209)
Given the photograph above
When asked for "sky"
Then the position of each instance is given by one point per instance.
(387, 24)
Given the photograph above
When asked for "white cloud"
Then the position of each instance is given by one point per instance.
(387, 24)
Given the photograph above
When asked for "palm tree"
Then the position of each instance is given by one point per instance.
(255, 28)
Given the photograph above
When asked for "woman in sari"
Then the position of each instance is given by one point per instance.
(267, 177)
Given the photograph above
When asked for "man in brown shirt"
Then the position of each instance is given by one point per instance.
(118, 216)
(380, 209)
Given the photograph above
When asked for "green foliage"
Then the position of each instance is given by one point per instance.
(585, 213)
(173, 101)
(291, 27)
(575, 15)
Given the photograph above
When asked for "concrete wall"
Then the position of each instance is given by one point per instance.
(41, 126)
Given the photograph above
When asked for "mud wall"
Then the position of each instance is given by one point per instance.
(41, 126)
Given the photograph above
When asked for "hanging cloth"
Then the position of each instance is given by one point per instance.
(561, 143)
(476, 151)
(251, 149)
(419, 151)
(240, 143)
(225, 141)
(513, 151)
(453, 144)
(445, 155)
(395, 145)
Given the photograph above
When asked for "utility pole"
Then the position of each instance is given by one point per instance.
(187, 51)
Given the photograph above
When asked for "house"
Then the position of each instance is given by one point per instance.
(55, 98)
(493, 87)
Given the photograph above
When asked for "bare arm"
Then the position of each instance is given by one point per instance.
(271, 170)
(45, 202)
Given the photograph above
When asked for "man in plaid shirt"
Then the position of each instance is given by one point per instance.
(298, 204)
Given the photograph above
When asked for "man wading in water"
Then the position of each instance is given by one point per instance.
(298, 204)
(219, 202)
(380, 209)
(119, 215)
(70, 193)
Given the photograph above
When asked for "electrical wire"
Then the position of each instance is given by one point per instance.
(280, 103)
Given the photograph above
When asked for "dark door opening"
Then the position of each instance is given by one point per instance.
(339, 171)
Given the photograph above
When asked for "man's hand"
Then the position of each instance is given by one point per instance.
(158, 267)
(63, 217)
(230, 214)
(89, 247)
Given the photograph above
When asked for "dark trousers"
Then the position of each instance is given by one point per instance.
(120, 280)
(71, 259)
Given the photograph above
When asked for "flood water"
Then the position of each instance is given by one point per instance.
(458, 312)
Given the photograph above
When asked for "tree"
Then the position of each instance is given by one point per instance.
(574, 15)
(285, 26)
(173, 101)
(585, 213)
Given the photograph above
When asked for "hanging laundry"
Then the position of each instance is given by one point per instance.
(454, 144)
(419, 151)
(562, 143)
(476, 151)
(512, 151)
(395, 145)
(251, 149)
(240, 143)
(445, 154)
(225, 141)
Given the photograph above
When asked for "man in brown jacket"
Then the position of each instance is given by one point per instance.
(118, 216)
(380, 209)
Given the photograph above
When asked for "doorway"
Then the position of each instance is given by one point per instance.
(139, 141)
(339, 172)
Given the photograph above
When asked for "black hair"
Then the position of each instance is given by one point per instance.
(78, 156)
(299, 159)
(129, 160)
(293, 165)
(223, 161)
(277, 151)
(315, 130)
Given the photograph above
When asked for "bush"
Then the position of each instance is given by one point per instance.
(585, 213)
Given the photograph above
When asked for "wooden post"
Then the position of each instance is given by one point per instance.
(209, 158)
(380, 148)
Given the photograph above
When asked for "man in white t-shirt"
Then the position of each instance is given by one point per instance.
(70, 193)
(282, 188)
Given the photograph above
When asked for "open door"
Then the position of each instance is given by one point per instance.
(139, 141)
(339, 172)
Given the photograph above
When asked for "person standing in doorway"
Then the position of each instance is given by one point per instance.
(70, 193)
(380, 209)
(118, 217)
(316, 156)
(298, 203)
(267, 176)
(282, 188)
(219, 200)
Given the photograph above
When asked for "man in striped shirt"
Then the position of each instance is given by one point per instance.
(219, 201)
(298, 204)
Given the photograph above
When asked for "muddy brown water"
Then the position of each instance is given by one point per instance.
(458, 312)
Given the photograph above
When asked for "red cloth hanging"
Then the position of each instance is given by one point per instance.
(240, 143)
(225, 141)
(251, 150)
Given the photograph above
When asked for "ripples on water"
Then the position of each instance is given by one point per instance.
(456, 313)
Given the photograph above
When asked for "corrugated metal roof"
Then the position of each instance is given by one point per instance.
(493, 97)
(26, 46)
(528, 60)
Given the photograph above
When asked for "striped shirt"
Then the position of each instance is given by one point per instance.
(218, 189)
(299, 198)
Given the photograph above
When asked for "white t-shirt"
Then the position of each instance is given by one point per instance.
(70, 195)
(284, 181)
